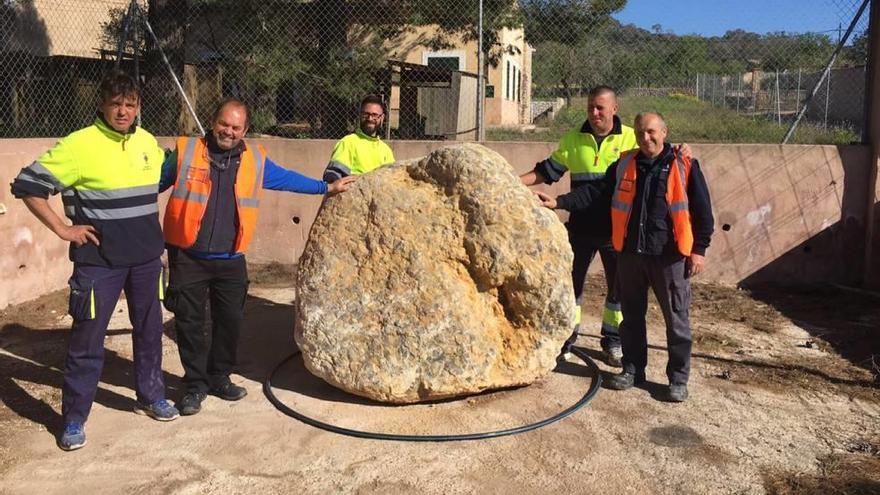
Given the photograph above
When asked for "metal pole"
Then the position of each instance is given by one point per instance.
(739, 88)
(173, 75)
(827, 98)
(797, 99)
(725, 89)
(137, 68)
(126, 22)
(778, 104)
(714, 82)
(827, 70)
(480, 101)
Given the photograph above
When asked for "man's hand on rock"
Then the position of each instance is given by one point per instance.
(341, 185)
(547, 201)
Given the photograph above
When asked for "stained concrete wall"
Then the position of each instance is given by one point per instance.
(793, 213)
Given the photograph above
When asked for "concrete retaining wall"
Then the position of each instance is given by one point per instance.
(792, 213)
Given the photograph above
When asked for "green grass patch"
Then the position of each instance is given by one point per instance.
(690, 120)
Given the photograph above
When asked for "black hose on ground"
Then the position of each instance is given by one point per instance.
(588, 396)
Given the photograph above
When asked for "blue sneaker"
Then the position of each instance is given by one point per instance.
(74, 437)
(161, 410)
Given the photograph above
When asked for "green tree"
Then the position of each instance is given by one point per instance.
(568, 37)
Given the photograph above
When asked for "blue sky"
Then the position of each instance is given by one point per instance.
(715, 17)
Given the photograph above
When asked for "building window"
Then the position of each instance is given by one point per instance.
(445, 59)
(507, 82)
(516, 94)
(448, 63)
(490, 91)
(512, 81)
(516, 85)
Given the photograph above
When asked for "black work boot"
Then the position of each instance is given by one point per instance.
(678, 392)
(624, 380)
(191, 403)
(229, 391)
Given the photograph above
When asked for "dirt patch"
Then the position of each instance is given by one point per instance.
(722, 303)
(845, 321)
(272, 274)
(856, 472)
(44, 312)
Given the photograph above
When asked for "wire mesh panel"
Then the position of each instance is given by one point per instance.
(303, 66)
(735, 86)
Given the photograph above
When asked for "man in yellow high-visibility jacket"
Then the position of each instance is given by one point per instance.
(586, 153)
(361, 151)
(108, 177)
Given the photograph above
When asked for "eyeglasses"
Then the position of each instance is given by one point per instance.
(370, 115)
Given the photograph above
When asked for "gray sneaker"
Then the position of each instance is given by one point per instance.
(613, 356)
(677, 393)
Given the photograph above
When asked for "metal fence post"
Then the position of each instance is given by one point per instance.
(739, 87)
(827, 99)
(714, 83)
(778, 104)
(481, 131)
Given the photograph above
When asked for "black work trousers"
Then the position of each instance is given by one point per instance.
(665, 275)
(207, 357)
(585, 249)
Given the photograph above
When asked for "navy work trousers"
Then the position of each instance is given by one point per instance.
(94, 291)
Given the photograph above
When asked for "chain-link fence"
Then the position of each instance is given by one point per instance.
(303, 66)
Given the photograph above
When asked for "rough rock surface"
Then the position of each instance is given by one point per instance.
(434, 278)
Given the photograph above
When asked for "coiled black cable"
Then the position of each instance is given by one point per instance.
(588, 396)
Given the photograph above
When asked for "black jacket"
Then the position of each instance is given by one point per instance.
(649, 230)
(219, 226)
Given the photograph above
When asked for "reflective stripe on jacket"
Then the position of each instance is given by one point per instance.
(192, 189)
(584, 159)
(676, 198)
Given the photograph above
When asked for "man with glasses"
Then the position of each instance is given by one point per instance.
(361, 151)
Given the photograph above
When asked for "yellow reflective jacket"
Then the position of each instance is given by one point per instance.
(579, 154)
(357, 154)
(108, 180)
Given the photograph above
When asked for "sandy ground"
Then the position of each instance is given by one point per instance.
(784, 399)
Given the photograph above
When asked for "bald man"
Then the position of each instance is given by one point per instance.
(209, 223)
(661, 226)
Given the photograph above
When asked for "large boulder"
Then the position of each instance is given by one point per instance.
(434, 278)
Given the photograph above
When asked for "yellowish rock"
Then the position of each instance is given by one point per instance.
(434, 278)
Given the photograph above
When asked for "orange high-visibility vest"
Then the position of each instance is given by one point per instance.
(676, 198)
(192, 188)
